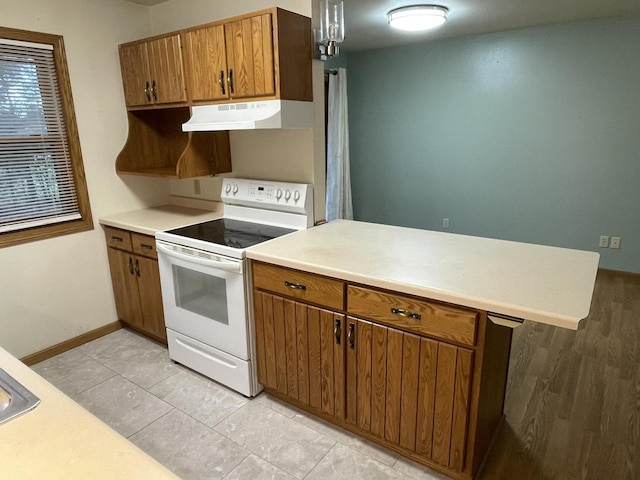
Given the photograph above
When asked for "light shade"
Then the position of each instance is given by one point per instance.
(331, 26)
(415, 18)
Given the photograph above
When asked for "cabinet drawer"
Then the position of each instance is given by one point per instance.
(116, 238)
(144, 245)
(408, 313)
(307, 287)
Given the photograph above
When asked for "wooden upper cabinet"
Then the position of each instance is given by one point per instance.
(134, 63)
(206, 63)
(152, 72)
(165, 65)
(250, 57)
(264, 55)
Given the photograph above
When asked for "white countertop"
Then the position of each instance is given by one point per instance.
(151, 220)
(61, 440)
(545, 284)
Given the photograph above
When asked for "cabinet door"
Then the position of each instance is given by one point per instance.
(165, 65)
(300, 352)
(250, 60)
(136, 78)
(150, 296)
(206, 63)
(125, 287)
(409, 390)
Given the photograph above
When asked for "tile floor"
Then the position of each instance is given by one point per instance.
(202, 430)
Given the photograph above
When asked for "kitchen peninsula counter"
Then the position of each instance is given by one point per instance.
(400, 335)
(61, 440)
(545, 284)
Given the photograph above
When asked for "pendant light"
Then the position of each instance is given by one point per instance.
(331, 26)
(415, 18)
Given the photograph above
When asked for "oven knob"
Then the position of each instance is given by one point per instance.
(278, 194)
(235, 188)
(296, 196)
(287, 195)
(227, 188)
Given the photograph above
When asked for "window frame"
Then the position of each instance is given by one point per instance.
(84, 223)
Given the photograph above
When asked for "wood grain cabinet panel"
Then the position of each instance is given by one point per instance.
(136, 76)
(206, 63)
(300, 352)
(411, 391)
(136, 282)
(302, 286)
(165, 65)
(125, 287)
(152, 72)
(445, 322)
(250, 57)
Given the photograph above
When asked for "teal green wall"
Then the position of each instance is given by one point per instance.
(529, 135)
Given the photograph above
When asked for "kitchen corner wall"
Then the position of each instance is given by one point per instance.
(282, 155)
(54, 290)
(530, 135)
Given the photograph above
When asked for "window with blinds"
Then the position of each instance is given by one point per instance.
(40, 167)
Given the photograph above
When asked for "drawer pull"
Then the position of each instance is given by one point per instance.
(338, 331)
(405, 313)
(146, 247)
(295, 286)
(352, 336)
(117, 239)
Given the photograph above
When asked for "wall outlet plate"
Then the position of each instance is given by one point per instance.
(615, 242)
(445, 223)
(604, 241)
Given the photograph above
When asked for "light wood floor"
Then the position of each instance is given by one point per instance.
(573, 397)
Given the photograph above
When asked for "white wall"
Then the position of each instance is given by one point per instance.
(284, 155)
(57, 289)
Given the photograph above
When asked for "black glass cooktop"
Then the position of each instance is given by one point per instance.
(232, 233)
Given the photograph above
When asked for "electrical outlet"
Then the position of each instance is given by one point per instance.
(604, 241)
(196, 186)
(615, 242)
(445, 223)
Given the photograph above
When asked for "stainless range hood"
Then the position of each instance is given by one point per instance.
(250, 116)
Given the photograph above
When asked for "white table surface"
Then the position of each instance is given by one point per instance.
(61, 440)
(545, 284)
(148, 221)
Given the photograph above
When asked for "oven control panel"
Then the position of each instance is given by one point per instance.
(279, 196)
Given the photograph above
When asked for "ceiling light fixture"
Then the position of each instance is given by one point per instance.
(415, 18)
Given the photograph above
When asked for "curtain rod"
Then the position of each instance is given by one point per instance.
(332, 71)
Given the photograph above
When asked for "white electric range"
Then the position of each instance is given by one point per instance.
(206, 291)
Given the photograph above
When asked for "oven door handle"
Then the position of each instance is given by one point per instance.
(229, 266)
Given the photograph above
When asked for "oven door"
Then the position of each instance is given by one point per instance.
(203, 296)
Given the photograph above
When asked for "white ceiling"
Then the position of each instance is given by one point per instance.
(366, 20)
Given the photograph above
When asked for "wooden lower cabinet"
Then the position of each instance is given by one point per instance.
(410, 391)
(136, 282)
(300, 352)
(436, 402)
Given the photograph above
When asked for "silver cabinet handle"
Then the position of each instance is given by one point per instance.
(405, 313)
(295, 286)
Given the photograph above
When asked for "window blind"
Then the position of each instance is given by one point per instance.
(36, 177)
